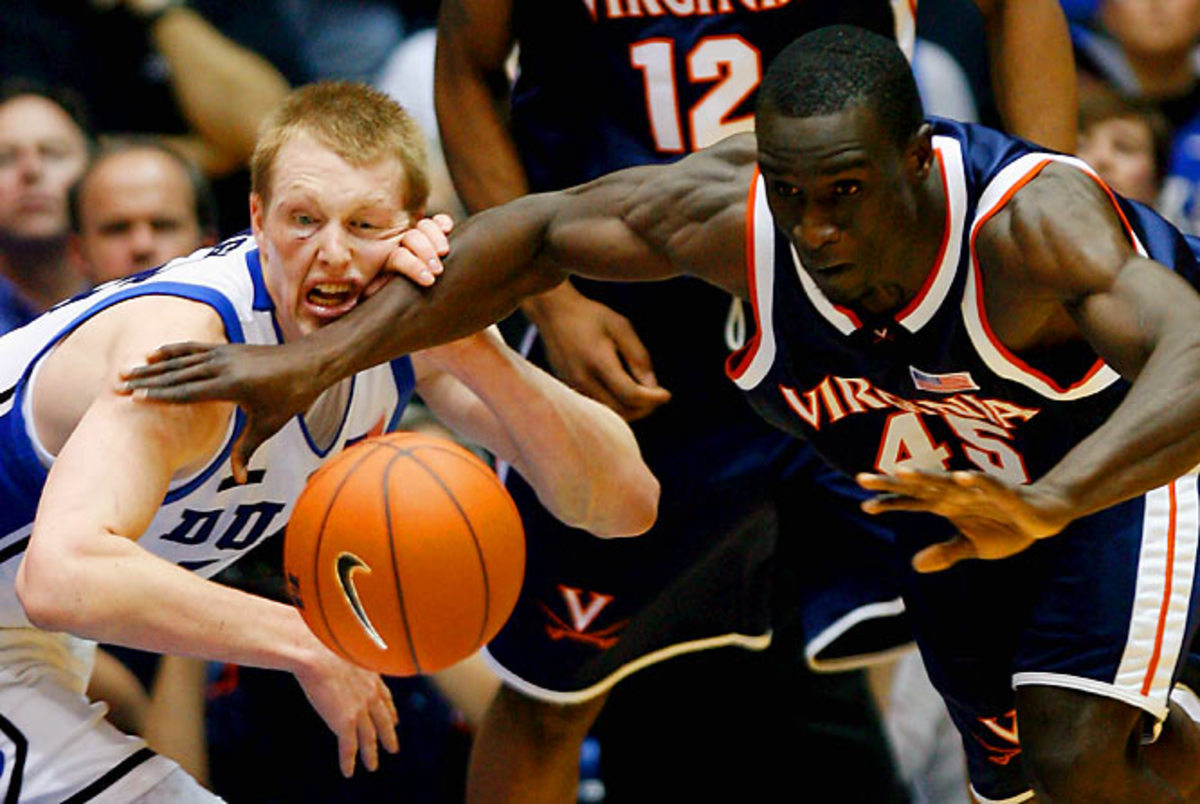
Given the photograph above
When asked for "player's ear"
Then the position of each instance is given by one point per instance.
(257, 212)
(918, 154)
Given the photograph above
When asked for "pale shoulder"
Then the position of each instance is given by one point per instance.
(84, 367)
(131, 329)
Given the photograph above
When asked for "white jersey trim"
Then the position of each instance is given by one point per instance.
(1002, 362)
(921, 310)
(1017, 799)
(748, 368)
(841, 626)
(1166, 564)
(607, 683)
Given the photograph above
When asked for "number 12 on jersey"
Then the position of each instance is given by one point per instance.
(732, 62)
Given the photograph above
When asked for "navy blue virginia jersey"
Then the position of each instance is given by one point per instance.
(931, 387)
(608, 84)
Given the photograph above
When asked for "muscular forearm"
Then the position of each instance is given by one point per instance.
(493, 263)
(223, 89)
(1033, 70)
(1152, 438)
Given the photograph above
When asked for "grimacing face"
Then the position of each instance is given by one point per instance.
(325, 231)
(137, 209)
(42, 153)
(841, 191)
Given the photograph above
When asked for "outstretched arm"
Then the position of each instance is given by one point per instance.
(639, 224)
(1061, 244)
(579, 456)
(224, 90)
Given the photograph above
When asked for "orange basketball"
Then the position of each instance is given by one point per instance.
(405, 553)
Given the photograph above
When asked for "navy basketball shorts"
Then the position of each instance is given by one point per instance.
(594, 610)
(1106, 607)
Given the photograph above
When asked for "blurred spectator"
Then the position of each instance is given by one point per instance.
(138, 204)
(191, 71)
(1152, 50)
(1125, 140)
(348, 40)
(44, 145)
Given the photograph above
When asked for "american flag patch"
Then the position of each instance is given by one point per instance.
(951, 383)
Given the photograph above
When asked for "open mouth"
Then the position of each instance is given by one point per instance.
(332, 297)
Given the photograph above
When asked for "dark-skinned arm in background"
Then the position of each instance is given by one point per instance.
(1032, 68)
(591, 347)
(644, 223)
(1057, 266)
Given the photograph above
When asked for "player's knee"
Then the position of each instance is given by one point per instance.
(1070, 772)
(550, 723)
(1079, 753)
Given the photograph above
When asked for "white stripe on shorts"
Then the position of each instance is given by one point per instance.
(1163, 593)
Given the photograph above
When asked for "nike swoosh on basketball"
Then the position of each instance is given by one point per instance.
(347, 563)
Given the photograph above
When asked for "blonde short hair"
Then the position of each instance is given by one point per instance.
(358, 123)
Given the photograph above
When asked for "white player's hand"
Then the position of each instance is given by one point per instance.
(418, 252)
(356, 705)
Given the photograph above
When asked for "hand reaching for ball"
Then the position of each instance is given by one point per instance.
(355, 704)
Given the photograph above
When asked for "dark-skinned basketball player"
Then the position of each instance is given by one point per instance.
(981, 332)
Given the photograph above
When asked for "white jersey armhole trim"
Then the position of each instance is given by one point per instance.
(44, 456)
(994, 196)
(761, 231)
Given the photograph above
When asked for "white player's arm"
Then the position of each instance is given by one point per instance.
(470, 687)
(84, 574)
(580, 457)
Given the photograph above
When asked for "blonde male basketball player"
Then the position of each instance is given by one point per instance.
(115, 513)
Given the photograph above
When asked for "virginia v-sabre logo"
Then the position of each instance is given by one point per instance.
(347, 564)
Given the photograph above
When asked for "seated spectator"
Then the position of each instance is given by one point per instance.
(44, 144)
(1152, 50)
(138, 204)
(194, 71)
(1125, 140)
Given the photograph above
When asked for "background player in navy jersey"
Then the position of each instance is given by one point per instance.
(607, 85)
(129, 498)
(979, 330)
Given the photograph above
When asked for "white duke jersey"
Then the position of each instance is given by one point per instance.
(206, 521)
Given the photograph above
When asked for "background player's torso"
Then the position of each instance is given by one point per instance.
(607, 84)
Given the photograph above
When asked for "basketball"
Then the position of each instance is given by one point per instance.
(405, 553)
